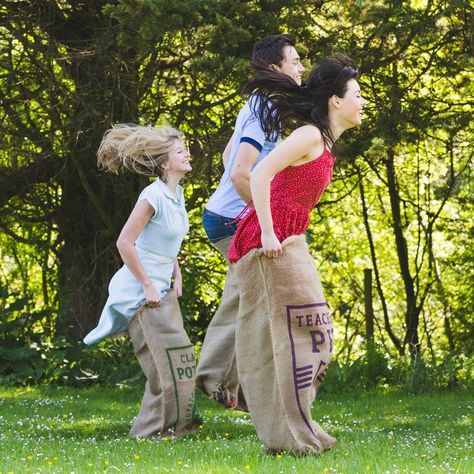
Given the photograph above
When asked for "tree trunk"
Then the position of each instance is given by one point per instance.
(94, 205)
(412, 313)
(397, 343)
(369, 309)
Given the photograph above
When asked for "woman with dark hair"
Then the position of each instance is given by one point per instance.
(284, 336)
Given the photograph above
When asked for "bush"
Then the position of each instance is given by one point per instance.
(375, 370)
(59, 361)
(366, 372)
(419, 375)
(28, 355)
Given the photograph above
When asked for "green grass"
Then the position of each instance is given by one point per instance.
(85, 431)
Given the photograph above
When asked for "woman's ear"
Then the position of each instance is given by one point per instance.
(335, 101)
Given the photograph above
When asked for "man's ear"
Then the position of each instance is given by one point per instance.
(274, 67)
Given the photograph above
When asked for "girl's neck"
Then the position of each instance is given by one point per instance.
(172, 182)
(337, 129)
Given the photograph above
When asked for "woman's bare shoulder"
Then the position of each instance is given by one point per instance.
(310, 133)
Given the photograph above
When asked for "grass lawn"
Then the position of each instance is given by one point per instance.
(68, 430)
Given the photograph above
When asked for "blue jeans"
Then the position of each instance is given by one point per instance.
(215, 226)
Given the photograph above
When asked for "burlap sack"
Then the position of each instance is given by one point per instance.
(166, 357)
(217, 369)
(284, 341)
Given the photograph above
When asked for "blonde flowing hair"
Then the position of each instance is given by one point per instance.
(143, 150)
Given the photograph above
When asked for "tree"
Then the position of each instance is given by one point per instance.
(399, 202)
(69, 71)
(416, 136)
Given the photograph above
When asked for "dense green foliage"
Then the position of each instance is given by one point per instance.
(83, 431)
(400, 202)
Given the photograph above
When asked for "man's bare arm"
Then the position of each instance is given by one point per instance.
(226, 152)
(240, 174)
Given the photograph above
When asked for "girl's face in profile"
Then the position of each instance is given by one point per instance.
(352, 104)
(178, 158)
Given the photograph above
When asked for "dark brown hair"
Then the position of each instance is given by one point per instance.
(269, 51)
(283, 101)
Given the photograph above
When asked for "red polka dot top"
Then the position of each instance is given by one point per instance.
(294, 192)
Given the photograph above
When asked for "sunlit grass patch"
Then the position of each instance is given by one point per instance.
(86, 431)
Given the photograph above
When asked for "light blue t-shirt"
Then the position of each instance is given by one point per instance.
(157, 247)
(166, 229)
(225, 201)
